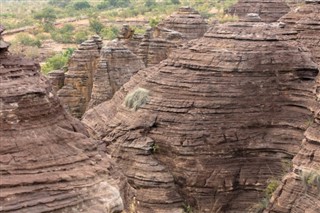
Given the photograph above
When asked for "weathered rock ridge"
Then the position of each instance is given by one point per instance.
(158, 42)
(186, 21)
(299, 191)
(116, 66)
(76, 92)
(268, 10)
(47, 161)
(222, 113)
(305, 19)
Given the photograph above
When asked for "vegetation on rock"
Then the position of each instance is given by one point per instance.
(137, 98)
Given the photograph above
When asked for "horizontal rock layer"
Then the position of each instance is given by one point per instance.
(76, 92)
(116, 66)
(268, 10)
(47, 161)
(222, 113)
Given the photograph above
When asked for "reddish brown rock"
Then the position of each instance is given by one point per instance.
(56, 78)
(158, 42)
(129, 39)
(76, 92)
(47, 161)
(186, 21)
(221, 114)
(306, 20)
(268, 10)
(299, 191)
(116, 66)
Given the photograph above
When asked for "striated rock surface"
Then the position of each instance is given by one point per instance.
(186, 21)
(129, 39)
(158, 42)
(116, 66)
(56, 78)
(221, 114)
(268, 10)
(306, 20)
(76, 92)
(47, 161)
(299, 191)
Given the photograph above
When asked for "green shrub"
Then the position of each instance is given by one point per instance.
(64, 34)
(80, 36)
(46, 18)
(81, 5)
(271, 187)
(110, 33)
(59, 3)
(27, 40)
(96, 25)
(137, 98)
(310, 179)
(57, 61)
(154, 22)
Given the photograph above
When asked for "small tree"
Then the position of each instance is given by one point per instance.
(175, 1)
(59, 3)
(95, 25)
(46, 17)
(150, 3)
(80, 5)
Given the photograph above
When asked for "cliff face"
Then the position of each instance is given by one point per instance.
(116, 66)
(221, 114)
(268, 10)
(47, 161)
(299, 191)
(305, 19)
(76, 92)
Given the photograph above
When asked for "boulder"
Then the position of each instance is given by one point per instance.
(208, 127)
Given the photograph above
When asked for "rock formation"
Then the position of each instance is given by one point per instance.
(158, 42)
(129, 39)
(116, 66)
(56, 78)
(47, 161)
(76, 92)
(306, 20)
(186, 21)
(299, 191)
(268, 10)
(221, 114)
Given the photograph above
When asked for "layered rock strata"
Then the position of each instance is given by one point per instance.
(221, 114)
(76, 92)
(56, 78)
(186, 21)
(158, 42)
(306, 20)
(47, 161)
(268, 10)
(116, 66)
(299, 191)
(129, 39)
